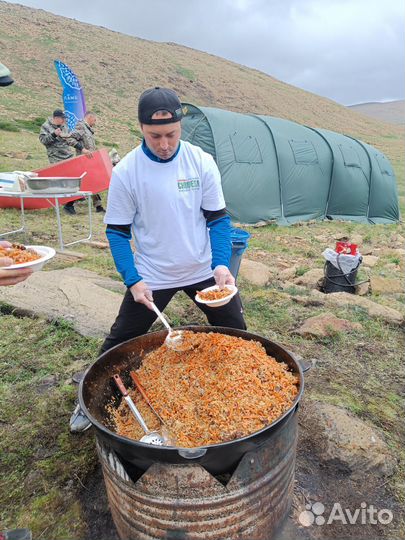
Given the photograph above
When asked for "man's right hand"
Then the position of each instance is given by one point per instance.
(58, 132)
(142, 294)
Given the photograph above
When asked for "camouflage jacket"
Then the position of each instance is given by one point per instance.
(84, 134)
(58, 148)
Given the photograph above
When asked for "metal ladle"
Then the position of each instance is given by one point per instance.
(170, 440)
(174, 337)
(150, 437)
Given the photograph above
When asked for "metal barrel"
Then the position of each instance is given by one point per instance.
(187, 502)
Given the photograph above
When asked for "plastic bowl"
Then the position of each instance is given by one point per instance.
(46, 254)
(219, 302)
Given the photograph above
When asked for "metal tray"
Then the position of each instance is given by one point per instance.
(54, 184)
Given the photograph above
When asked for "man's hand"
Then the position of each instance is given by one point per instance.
(58, 132)
(223, 276)
(11, 277)
(142, 294)
(87, 152)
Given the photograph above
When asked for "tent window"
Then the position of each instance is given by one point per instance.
(245, 148)
(304, 152)
(350, 156)
(383, 164)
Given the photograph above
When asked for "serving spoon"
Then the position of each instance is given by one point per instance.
(150, 437)
(174, 338)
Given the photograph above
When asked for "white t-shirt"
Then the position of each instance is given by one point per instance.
(164, 202)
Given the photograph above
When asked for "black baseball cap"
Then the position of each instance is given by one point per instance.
(159, 99)
(58, 113)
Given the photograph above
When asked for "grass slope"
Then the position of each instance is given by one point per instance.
(115, 68)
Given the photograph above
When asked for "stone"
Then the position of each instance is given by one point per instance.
(366, 250)
(356, 239)
(73, 294)
(256, 273)
(291, 285)
(343, 299)
(370, 260)
(346, 442)
(310, 279)
(363, 288)
(326, 324)
(380, 285)
(288, 273)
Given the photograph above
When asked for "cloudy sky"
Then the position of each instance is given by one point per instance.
(348, 50)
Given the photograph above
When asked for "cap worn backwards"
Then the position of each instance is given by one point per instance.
(58, 113)
(159, 99)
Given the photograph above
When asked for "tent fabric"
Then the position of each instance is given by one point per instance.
(275, 169)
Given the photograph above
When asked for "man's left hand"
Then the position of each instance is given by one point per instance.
(223, 276)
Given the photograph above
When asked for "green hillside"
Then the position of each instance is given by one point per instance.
(115, 68)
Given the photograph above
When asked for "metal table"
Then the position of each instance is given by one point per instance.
(52, 198)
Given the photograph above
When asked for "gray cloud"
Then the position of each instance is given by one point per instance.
(348, 50)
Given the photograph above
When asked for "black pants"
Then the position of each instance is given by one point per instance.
(135, 319)
(95, 198)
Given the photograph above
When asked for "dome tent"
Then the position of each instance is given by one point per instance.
(275, 169)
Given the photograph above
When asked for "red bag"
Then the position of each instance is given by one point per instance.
(346, 248)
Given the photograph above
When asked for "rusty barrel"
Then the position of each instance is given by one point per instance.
(172, 501)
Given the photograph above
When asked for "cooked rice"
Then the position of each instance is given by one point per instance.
(221, 389)
(19, 253)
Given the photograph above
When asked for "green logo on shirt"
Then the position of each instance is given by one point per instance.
(191, 184)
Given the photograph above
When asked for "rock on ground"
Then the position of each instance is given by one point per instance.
(255, 272)
(363, 288)
(82, 297)
(370, 260)
(343, 299)
(325, 325)
(310, 279)
(346, 441)
(287, 273)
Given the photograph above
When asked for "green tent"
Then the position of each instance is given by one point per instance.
(274, 169)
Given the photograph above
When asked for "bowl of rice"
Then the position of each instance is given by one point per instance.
(33, 257)
(216, 297)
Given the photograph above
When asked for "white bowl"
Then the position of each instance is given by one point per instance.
(46, 254)
(219, 302)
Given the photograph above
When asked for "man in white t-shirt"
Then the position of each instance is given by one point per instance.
(167, 193)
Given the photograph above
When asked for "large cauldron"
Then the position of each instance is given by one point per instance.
(97, 390)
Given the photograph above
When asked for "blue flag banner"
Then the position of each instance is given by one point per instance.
(73, 96)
